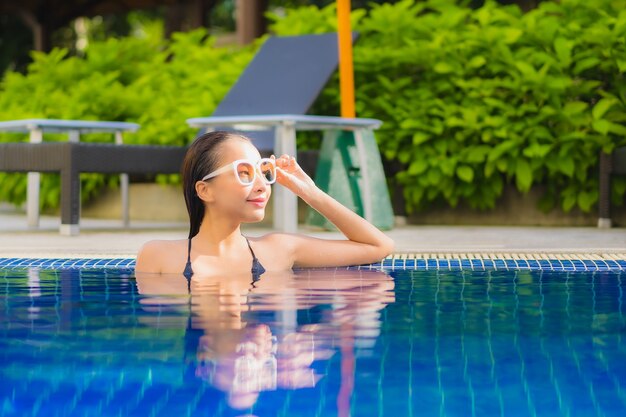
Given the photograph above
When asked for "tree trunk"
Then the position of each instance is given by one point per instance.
(41, 29)
(251, 21)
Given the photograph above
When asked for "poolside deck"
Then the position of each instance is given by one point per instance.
(108, 238)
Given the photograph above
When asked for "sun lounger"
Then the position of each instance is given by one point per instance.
(270, 101)
(70, 159)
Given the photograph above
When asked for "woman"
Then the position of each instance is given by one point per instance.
(226, 183)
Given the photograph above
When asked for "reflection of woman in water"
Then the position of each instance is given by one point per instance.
(226, 183)
(232, 345)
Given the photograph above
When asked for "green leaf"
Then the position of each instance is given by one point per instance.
(617, 129)
(605, 127)
(568, 203)
(502, 165)
(574, 108)
(526, 69)
(418, 166)
(465, 173)
(572, 136)
(447, 166)
(558, 83)
(537, 150)
(523, 175)
(586, 199)
(585, 64)
(501, 149)
(563, 48)
(434, 176)
(566, 165)
(511, 35)
(620, 25)
(601, 107)
(477, 62)
(443, 68)
(477, 154)
(420, 137)
(601, 126)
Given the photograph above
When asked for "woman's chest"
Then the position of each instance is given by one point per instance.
(210, 265)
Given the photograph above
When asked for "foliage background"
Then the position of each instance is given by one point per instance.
(146, 80)
(472, 101)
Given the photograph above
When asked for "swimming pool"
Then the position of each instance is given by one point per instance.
(434, 337)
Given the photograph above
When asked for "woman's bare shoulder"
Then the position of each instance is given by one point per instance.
(162, 256)
(277, 245)
(273, 239)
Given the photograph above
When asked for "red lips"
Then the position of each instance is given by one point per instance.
(259, 202)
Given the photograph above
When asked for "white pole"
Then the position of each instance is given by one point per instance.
(32, 188)
(124, 187)
(285, 202)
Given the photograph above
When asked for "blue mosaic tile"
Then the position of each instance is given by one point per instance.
(47, 263)
(478, 264)
(499, 264)
(590, 264)
(545, 264)
(431, 264)
(575, 265)
(455, 263)
(533, 264)
(386, 264)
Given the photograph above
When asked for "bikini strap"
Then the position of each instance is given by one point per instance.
(188, 272)
(257, 268)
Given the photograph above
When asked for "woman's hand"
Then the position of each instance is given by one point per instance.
(290, 175)
(365, 244)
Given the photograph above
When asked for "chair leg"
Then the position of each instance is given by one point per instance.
(32, 199)
(70, 202)
(604, 206)
(124, 187)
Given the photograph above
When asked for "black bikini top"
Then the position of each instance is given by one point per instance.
(257, 268)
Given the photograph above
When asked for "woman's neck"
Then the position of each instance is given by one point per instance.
(217, 236)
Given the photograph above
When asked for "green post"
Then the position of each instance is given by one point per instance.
(340, 174)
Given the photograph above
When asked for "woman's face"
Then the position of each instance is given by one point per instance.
(246, 202)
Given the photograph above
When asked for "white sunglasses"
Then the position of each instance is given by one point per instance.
(245, 171)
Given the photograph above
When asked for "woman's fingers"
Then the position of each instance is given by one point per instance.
(286, 162)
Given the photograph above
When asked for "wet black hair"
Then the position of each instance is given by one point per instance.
(202, 157)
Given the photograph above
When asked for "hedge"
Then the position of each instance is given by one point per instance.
(472, 100)
(155, 83)
(476, 99)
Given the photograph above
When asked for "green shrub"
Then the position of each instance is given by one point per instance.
(157, 84)
(474, 99)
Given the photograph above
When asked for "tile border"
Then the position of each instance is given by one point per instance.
(406, 261)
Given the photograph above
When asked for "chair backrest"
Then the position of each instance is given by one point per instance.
(285, 77)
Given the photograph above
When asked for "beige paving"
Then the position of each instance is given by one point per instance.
(107, 238)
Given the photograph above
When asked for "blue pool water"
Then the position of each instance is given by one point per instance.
(102, 342)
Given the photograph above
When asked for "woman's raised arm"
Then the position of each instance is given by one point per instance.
(365, 242)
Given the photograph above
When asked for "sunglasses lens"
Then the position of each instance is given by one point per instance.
(245, 172)
(268, 169)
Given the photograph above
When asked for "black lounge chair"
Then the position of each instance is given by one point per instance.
(610, 164)
(270, 102)
(71, 159)
(285, 76)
